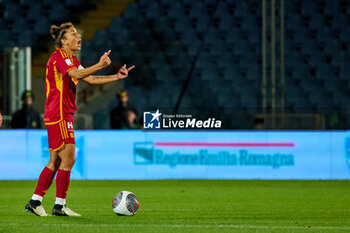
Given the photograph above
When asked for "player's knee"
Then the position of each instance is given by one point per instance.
(68, 163)
(53, 165)
(72, 162)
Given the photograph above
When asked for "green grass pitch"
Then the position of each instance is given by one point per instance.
(186, 206)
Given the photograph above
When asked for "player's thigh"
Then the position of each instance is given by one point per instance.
(67, 152)
(54, 161)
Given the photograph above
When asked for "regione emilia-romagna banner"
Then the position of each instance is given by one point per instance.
(166, 154)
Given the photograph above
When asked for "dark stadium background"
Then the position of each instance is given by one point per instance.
(276, 72)
(229, 59)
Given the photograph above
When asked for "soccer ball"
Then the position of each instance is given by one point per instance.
(125, 203)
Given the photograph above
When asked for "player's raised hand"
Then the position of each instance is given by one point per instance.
(105, 60)
(124, 72)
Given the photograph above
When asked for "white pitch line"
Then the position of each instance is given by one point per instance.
(192, 226)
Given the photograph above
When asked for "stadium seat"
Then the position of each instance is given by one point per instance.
(175, 49)
(253, 72)
(241, 48)
(234, 74)
(5, 2)
(12, 12)
(226, 60)
(188, 4)
(42, 25)
(74, 3)
(316, 20)
(340, 98)
(100, 38)
(222, 9)
(217, 48)
(309, 7)
(180, 60)
(332, 8)
(250, 23)
(19, 25)
(242, 9)
(210, 73)
(301, 34)
(317, 58)
(116, 25)
(132, 11)
(234, 36)
(310, 47)
(157, 59)
(26, 38)
(58, 13)
(204, 59)
(330, 85)
(101, 120)
(188, 36)
(49, 3)
(154, 11)
(27, 2)
(35, 9)
(318, 95)
(339, 58)
(338, 20)
(324, 34)
(182, 24)
(176, 11)
(293, 21)
(344, 34)
(5, 37)
(345, 73)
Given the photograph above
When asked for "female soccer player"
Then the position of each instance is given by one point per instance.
(63, 71)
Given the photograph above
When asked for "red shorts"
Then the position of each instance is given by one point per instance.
(59, 134)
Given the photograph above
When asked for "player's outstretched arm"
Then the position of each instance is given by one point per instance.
(80, 74)
(122, 73)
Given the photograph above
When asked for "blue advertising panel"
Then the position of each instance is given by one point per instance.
(133, 154)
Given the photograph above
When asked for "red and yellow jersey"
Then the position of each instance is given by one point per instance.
(60, 88)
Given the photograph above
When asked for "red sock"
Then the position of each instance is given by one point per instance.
(44, 182)
(62, 183)
(51, 179)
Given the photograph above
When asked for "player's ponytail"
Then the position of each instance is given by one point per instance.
(54, 31)
(57, 32)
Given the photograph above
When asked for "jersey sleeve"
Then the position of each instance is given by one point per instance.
(77, 63)
(64, 64)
